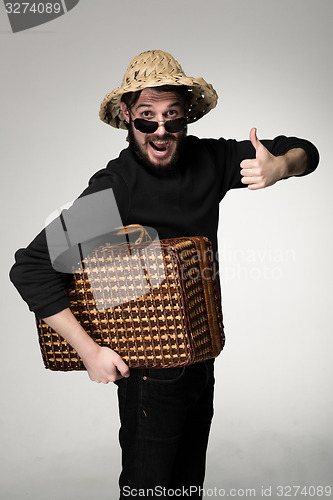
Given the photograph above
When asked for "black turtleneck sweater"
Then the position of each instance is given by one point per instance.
(182, 201)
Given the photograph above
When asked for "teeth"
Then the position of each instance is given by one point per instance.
(160, 142)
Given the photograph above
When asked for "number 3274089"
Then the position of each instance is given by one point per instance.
(303, 491)
(32, 8)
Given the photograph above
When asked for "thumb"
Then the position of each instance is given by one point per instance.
(254, 139)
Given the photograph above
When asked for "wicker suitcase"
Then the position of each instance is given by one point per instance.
(178, 321)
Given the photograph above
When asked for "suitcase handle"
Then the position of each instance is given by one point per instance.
(133, 228)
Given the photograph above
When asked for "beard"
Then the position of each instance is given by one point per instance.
(143, 156)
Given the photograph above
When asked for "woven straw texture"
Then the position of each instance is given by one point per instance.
(153, 69)
(176, 323)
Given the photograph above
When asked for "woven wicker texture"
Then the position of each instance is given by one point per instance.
(176, 323)
(152, 69)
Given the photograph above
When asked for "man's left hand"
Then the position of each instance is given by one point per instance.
(265, 169)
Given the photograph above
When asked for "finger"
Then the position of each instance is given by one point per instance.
(253, 162)
(254, 139)
(250, 180)
(250, 172)
(255, 186)
(122, 367)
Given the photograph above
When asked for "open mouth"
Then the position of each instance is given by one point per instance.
(160, 148)
(159, 145)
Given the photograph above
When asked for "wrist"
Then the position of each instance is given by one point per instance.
(283, 166)
(88, 349)
(295, 162)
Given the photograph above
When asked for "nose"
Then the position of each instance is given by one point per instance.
(160, 129)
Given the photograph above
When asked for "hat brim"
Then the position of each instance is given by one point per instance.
(203, 97)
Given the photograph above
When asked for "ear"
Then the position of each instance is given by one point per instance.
(125, 111)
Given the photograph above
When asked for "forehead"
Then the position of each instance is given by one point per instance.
(151, 97)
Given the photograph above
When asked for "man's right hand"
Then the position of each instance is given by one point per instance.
(102, 363)
(105, 365)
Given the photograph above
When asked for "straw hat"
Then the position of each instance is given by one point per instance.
(152, 69)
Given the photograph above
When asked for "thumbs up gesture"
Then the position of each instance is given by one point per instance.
(265, 169)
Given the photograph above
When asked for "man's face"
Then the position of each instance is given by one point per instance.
(158, 150)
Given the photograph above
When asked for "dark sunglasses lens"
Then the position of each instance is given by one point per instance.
(173, 126)
(145, 126)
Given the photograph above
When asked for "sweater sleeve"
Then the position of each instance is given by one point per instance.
(40, 271)
(232, 153)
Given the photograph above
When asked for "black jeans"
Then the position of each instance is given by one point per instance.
(165, 417)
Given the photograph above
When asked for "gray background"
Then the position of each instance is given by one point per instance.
(271, 64)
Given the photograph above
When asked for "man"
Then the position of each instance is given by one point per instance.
(173, 183)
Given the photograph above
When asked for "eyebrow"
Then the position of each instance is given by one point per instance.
(174, 104)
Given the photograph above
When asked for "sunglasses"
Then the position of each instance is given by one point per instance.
(148, 126)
